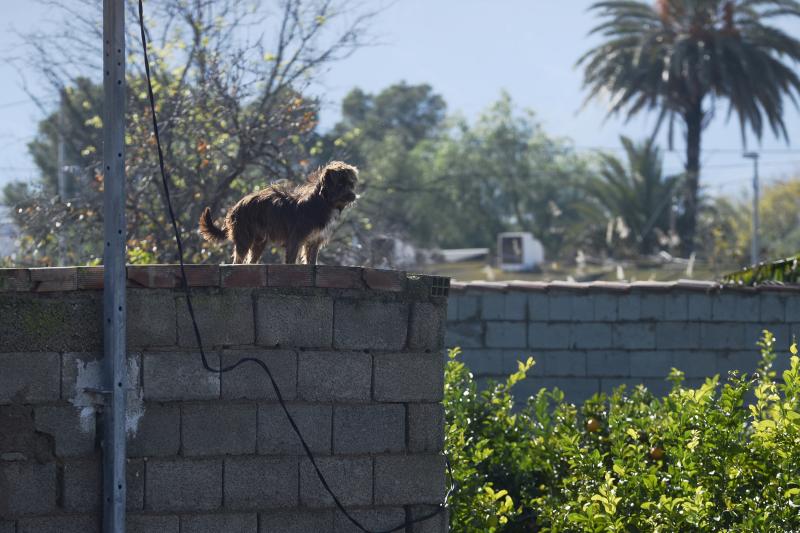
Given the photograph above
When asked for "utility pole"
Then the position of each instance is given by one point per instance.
(754, 241)
(114, 278)
(61, 171)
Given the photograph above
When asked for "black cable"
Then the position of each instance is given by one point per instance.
(262, 364)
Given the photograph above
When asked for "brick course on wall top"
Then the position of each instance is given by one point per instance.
(357, 354)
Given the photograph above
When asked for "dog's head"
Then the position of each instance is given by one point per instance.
(337, 184)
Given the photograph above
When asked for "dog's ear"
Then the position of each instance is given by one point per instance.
(325, 182)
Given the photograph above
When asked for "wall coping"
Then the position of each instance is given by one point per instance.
(168, 276)
(612, 286)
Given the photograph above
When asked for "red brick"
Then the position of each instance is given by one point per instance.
(199, 275)
(15, 279)
(54, 279)
(385, 280)
(290, 275)
(338, 277)
(153, 276)
(90, 277)
(243, 275)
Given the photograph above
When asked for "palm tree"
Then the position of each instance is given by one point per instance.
(678, 57)
(636, 193)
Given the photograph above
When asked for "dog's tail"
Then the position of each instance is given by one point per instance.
(208, 230)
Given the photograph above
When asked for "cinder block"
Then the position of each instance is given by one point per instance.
(676, 335)
(15, 279)
(636, 336)
(722, 335)
(425, 427)
(27, 488)
(651, 306)
(500, 306)
(151, 318)
(183, 484)
(60, 524)
(610, 385)
(350, 478)
(225, 318)
(590, 335)
(658, 386)
(82, 486)
(334, 376)
(249, 381)
(506, 334)
(609, 363)
(81, 370)
(370, 325)
(605, 307)
(772, 307)
(563, 363)
(158, 432)
(484, 362)
(567, 307)
(381, 519)
(216, 523)
(147, 523)
(538, 307)
(629, 307)
(72, 430)
(734, 307)
(32, 322)
(655, 364)
(134, 477)
(696, 364)
(576, 390)
(179, 376)
(294, 321)
(409, 479)
(699, 306)
(468, 307)
(452, 308)
(303, 521)
(438, 523)
(408, 377)
(754, 332)
(29, 377)
(676, 307)
(793, 309)
(361, 429)
(744, 362)
(384, 280)
(218, 429)
(543, 335)
(426, 329)
(464, 335)
(277, 437)
(254, 483)
(5, 525)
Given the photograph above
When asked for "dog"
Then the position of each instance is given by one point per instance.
(299, 218)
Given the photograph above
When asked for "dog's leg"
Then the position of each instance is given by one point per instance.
(311, 250)
(292, 249)
(256, 251)
(239, 253)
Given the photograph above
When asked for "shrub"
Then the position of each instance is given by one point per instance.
(722, 457)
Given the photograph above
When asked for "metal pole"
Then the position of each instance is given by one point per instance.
(114, 308)
(754, 241)
(61, 171)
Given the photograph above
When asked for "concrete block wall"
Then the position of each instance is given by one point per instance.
(592, 337)
(357, 354)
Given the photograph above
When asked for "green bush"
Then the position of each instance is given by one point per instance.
(716, 458)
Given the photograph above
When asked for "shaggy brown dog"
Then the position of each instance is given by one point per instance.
(300, 218)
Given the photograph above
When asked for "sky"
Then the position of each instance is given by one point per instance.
(469, 51)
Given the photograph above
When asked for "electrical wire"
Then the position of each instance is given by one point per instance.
(243, 360)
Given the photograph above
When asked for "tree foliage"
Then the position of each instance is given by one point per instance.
(232, 108)
(679, 57)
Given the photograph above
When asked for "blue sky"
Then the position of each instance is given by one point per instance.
(469, 51)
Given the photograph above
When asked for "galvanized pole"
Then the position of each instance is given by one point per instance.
(114, 308)
(754, 245)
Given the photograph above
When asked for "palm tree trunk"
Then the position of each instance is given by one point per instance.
(694, 126)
